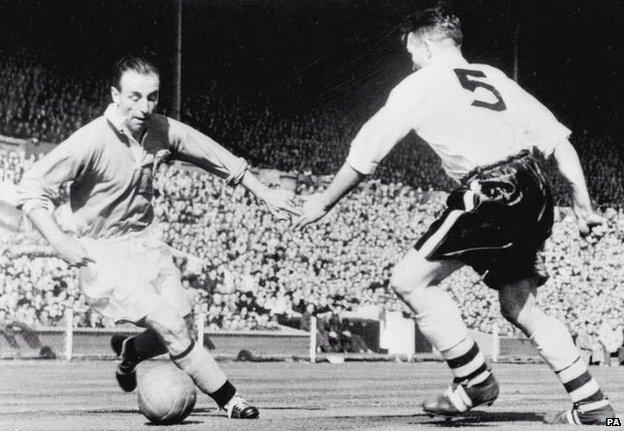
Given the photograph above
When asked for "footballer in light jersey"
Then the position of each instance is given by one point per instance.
(126, 270)
(484, 127)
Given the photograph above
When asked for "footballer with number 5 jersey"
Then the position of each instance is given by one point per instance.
(126, 270)
(484, 127)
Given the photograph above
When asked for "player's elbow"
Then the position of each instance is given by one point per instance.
(29, 201)
(564, 150)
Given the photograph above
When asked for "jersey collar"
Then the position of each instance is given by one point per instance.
(115, 119)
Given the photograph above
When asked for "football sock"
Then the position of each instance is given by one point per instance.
(205, 372)
(146, 345)
(581, 386)
(438, 317)
(553, 341)
(467, 363)
(224, 394)
(555, 345)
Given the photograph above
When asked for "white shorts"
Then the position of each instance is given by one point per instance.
(132, 274)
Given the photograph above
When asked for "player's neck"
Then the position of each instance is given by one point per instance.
(444, 53)
(448, 51)
(138, 135)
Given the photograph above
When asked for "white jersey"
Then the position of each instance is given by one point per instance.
(470, 114)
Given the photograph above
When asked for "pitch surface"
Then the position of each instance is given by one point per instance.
(54, 395)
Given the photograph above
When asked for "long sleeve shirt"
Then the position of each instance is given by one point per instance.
(112, 174)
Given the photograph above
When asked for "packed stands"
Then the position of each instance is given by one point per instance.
(248, 271)
(46, 104)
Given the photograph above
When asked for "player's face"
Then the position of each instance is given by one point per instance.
(418, 50)
(136, 98)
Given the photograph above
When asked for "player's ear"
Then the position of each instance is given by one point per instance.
(428, 45)
(410, 41)
(115, 94)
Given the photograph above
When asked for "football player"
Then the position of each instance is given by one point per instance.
(126, 271)
(484, 127)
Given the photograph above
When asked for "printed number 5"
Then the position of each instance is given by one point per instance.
(464, 79)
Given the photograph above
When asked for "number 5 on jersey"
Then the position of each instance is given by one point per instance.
(464, 76)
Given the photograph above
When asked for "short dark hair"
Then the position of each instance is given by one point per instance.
(140, 63)
(440, 22)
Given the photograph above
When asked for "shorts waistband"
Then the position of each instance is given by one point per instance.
(524, 154)
(150, 231)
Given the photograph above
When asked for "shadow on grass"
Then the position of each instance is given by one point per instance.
(476, 418)
(151, 424)
(207, 411)
(479, 418)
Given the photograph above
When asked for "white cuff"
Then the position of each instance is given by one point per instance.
(33, 204)
(236, 175)
(365, 167)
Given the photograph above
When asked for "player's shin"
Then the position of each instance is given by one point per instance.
(146, 345)
(133, 350)
(440, 322)
(210, 379)
(205, 372)
(437, 316)
(555, 345)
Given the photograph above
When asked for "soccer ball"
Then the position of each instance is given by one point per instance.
(166, 395)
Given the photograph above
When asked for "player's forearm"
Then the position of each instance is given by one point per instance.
(254, 185)
(344, 181)
(570, 167)
(200, 150)
(47, 226)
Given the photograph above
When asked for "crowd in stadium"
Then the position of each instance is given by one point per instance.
(249, 272)
(43, 104)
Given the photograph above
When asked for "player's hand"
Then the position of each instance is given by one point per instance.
(280, 202)
(73, 252)
(586, 219)
(314, 209)
(194, 265)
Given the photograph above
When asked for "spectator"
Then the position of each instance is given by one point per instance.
(252, 274)
(611, 338)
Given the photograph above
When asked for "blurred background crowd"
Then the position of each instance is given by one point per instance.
(247, 271)
(41, 103)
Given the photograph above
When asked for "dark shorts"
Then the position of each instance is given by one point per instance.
(496, 222)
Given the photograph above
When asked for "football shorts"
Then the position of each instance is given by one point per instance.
(496, 222)
(131, 275)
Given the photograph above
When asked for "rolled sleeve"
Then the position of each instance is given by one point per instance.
(546, 136)
(361, 161)
(202, 151)
(385, 129)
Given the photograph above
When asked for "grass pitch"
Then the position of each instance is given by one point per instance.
(83, 395)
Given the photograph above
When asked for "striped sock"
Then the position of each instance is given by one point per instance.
(467, 363)
(581, 386)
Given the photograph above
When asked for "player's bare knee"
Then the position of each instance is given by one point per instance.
(168, 327)
(510, 311)
(171, 327)
(403, 281)
(177, 336)
(517, 303)
(409, 276)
